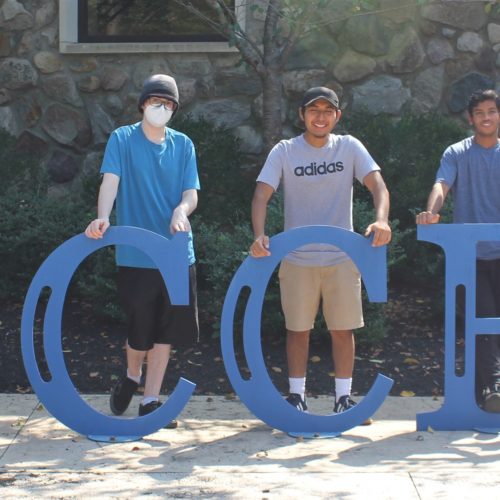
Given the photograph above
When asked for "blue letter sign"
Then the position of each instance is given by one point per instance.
(459, 410)
(63, 401)
(58, 394)
(258, 393)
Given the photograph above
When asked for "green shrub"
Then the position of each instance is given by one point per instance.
(226, 188)
(376, 327)
(31, 227)
(220, 252)
(409, 151)
(32, 223)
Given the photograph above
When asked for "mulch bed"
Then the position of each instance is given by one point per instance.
(412, 354)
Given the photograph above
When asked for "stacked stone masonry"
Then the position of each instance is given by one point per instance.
(62, 107)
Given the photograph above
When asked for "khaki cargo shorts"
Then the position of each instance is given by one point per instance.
(338, 287)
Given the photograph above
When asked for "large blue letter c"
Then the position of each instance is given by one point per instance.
(258, 393)
(59, 395)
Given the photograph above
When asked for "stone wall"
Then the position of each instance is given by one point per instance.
(63, 106)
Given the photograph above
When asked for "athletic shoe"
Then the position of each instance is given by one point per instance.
(121, 395)
(151, 407)
(296, 401)
(346, 403)
(491, 402)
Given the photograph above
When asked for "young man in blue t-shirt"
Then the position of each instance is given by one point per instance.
(471, 170)
(150, 170)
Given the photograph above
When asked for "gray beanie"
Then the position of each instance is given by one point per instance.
(159, 86)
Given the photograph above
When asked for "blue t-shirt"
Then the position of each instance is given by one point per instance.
(153, 178)
(473, 174)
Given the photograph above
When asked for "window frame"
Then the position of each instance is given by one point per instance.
(69, 18)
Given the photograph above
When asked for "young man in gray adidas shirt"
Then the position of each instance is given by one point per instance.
(317, 170)
(471, 170)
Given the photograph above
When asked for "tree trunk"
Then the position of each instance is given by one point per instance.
(272, 129)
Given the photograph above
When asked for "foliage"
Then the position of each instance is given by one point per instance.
(374, 314)
(31, 226)
(364, 215)
(220, 252)
(408, 151)
(95, 283)
(33, 223)
(226, 191)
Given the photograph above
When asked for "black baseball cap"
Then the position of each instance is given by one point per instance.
(315, 93)
(159, 86)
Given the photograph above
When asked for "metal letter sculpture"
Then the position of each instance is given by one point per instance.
(460, 410)
(258, 393)
(58, 394)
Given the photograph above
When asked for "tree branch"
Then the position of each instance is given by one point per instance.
(270, 27)
(229, 27)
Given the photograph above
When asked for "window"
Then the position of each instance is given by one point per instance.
(104, 26)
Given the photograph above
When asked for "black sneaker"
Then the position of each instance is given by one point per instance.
(346, 403)
(297, 401)
(150, 408)
(121, 395)
(491, 402)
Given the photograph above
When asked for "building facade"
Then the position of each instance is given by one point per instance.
(62, 96)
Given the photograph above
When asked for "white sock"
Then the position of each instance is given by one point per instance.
(148, 399)
(137, 380)
(298, 386)
(342, 387)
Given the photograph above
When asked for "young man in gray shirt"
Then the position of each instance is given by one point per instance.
(471, 169)
(317, 170)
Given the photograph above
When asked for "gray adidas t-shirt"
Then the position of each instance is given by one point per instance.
(473, 174)
(318, 186)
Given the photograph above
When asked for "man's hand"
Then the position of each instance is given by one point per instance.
(427, 218)
(180, 221)
(97, 228)
(260, 247)
(381, 231)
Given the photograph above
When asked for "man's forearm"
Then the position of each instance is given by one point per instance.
(381, 202)
(259, 213)
(380, 195)
(107, 196)
(189, 201)
(436, 198)
(262, 195)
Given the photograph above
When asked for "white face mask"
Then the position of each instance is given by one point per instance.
(157, 116)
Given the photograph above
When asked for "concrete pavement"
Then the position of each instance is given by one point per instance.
(220, 450)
